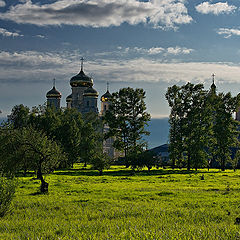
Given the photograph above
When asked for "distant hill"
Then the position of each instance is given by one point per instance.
(159, 130)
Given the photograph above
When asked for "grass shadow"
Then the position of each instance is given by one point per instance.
(128, 172)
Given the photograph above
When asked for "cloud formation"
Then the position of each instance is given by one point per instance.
(104, 13)
(178, 50)
(4, 32)
(2, 3)
(228, 32)
(121, 51)
(41, 67)
(215, 8)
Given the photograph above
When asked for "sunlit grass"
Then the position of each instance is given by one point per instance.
(166, 204)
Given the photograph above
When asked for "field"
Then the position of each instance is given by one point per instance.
(164, 204)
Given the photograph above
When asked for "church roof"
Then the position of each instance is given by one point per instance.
(81, 79)
(69, 98)
(90, 92)
(106, 96)
(53, 93)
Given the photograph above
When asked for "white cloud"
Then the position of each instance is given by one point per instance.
(228, 32)
(40, 67)
(178, 50)
(4, 32)
(104, 13)
(40, 36)
(121, 51)
(2, 3)
(155, 50)
(215, 8)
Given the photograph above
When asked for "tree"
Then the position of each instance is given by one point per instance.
(235, 160)
(19, 116)
(224, 128)
(201, 125)
(44, 155)
(126, 119)
(148, 159)
(189, 125)
(100, 161)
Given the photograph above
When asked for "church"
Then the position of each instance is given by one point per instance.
(84, 98)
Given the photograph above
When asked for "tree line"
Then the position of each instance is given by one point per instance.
(202, 127)
(44, 139)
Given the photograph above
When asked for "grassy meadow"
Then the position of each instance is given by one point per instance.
(165, 204)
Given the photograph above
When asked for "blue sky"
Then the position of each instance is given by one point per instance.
(148, 44)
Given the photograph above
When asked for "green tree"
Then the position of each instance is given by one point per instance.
(19, 116)
(189, 125)
(148, 159)
(43, 154)
(224, 128)
(100, 161)
(126, 119)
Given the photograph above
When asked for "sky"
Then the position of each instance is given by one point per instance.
(151, 44)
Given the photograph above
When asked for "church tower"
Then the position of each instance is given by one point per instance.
(53, 97)
(213, 86)
(105, 101)
(90, 98)
(79, 84)
(69, 101)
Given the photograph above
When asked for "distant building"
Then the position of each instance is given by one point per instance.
(84, 98)
(53, 97)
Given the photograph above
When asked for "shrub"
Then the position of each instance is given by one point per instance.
(7, 190)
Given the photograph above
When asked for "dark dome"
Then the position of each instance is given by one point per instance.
(106, 96)
(213, 85)
(90, 92)
(53, 93)
(81, 79)
(69, 98)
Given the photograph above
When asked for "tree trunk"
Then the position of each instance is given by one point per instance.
(100, 172)
(223, 165)
(44, 185)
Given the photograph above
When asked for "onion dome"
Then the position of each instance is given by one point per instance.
(90, 92)
(106, 96)
(53, 93)
(81, 79)
(69, 98)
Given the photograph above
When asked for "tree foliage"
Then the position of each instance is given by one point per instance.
(29, 149)
(201, 126)
(126, 119)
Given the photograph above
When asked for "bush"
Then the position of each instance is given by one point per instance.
(7, 190)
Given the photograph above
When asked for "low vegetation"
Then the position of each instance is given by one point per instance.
(160, 204)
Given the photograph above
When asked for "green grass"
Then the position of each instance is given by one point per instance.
(166, 204)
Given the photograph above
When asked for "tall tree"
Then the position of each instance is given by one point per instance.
(225, 128)
(201, 125)
(126, 119)
(188, 125)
